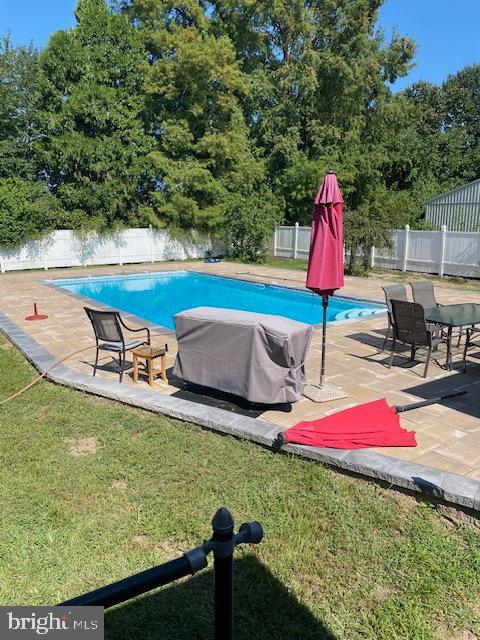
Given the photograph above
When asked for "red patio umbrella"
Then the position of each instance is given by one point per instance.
(373, 424)
(325, 266)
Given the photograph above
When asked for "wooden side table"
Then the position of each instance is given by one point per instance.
(149, 354)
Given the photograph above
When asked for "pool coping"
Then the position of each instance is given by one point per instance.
(442, 486)
(49, 282)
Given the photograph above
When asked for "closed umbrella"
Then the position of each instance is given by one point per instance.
(325, 267)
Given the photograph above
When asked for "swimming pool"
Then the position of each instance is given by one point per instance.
(159, 296)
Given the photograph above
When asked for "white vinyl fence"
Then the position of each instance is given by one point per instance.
(292, 242)
(443, 252)
(67, 249)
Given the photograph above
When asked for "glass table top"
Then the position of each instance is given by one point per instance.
(454, 315)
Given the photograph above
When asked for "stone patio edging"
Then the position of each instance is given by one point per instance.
(444, 486)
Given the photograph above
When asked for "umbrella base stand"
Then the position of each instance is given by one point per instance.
(323, 393)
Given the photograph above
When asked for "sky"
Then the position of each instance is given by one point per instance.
(446, 30)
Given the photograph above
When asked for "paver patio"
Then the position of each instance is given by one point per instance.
(448, 435)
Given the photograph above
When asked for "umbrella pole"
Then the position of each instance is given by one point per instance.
(324, 338)
(426, 403)
(323, 392)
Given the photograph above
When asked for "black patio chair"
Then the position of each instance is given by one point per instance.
(423, 292)
(392, 292)
(108, 328)
(410, 328)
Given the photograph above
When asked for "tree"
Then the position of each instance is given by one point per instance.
(440, 146)
(18, 127)
(208, 173)
(318, 100)
(318, 72)
(224, 115)
(91, 100)
(461, 94)
(310, 84)
(27, 210)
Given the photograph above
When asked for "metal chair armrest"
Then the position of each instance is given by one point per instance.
(436, 334)
(136, 330)
(436, 328)
(440, 340)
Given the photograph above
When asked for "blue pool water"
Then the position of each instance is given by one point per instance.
(159, 296)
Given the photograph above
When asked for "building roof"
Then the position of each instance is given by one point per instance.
(464, 187)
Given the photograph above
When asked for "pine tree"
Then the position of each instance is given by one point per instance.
(317, 73)
(27, 208)
(207, 169)
(91, 101)
(18, 126)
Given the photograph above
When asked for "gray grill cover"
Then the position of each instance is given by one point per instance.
(258, 357)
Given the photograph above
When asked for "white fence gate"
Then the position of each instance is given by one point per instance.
(444, 252)
(67, 249)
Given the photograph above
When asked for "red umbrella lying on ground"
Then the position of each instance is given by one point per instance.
(374, 424)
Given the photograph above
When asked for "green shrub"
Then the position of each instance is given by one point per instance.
(250, 223)
(26, 210)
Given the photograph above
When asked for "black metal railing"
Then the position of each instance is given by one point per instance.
(222, 544)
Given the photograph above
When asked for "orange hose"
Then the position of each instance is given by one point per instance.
(38, 378)
(42, 375)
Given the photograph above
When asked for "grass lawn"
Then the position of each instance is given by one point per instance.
(285, 263)
(92, 491)
(453, 282)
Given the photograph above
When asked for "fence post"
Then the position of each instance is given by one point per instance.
(44, 257)
(275, 241)
(119, 250)
(295, 241)
(372, 257)
(150, 239)
(443, 237)
(2, 265)
(405, 247)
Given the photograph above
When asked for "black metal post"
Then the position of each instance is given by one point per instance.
(223, 547)
(142, 582)
(324, 338)
(222, 543)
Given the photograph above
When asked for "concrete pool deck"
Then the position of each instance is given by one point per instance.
(446, 462)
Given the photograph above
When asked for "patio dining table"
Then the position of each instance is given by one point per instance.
(453, 315)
